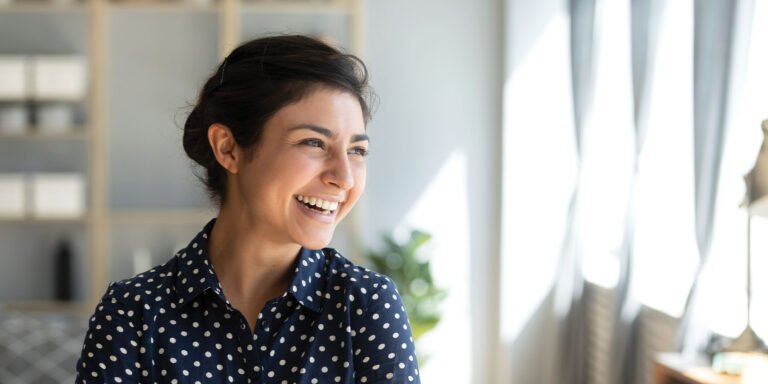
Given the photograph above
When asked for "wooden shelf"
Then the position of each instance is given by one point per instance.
(41, 100)
(33, 220)
(37, 133)
(163, 216)
(47, 306)
(294, 7)
(43, 7)
(267, 7)
(163, 6)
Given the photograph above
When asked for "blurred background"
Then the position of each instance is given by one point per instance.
(574, 170)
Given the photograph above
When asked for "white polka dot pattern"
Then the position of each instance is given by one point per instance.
(337, 323)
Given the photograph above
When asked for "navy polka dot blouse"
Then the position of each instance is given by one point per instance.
(337, 323)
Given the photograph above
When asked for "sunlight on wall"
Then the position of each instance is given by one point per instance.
(666, 254)
(538, 174)
(442, 211)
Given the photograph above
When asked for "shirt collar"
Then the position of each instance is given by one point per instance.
(308, 286)
(195, 274)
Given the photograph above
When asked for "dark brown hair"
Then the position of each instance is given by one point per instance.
(255, 81)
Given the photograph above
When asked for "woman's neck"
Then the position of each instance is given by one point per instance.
(251, 267)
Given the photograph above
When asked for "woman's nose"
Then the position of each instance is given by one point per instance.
(339, 172)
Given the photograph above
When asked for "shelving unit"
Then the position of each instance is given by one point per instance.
(141, 192)
(27, 244)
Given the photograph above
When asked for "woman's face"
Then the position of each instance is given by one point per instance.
(308, 170)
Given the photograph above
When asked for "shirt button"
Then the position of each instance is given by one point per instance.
(242, 326)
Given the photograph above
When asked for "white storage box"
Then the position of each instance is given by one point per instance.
(58, 195)
(58, 78)
(14, 77)
(12, 195)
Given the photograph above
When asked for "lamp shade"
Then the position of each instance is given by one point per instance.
(756, 199)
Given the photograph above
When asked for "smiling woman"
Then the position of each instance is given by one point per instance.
(280, 131)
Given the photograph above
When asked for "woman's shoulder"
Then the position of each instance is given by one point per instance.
(156, 281)
(132, 299)
(363, 285)
(351, 272)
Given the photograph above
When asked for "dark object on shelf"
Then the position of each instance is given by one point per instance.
(55, 117)
(62, 271)
(14, 117)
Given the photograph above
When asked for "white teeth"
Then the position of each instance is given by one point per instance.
(322, 204)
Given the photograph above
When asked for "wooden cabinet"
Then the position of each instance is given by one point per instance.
(671, 368)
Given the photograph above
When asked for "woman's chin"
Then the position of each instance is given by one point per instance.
(315, 244)
(316, 241)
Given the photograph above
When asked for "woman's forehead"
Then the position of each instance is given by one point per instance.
(331, 113)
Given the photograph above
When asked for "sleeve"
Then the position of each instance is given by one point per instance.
(383, 338)
(110, 352)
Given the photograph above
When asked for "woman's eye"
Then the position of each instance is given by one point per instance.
(313, 143)
(360, 151)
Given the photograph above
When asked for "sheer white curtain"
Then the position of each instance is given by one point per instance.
(720, 303)
(721, 29)
(609, 178)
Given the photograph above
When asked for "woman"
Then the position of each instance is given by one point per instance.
(280, 130)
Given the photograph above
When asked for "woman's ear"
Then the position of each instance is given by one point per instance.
(224, 147)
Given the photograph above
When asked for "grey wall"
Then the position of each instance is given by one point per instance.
(151, 82)
(437, 68)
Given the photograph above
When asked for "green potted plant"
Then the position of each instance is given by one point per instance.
(403, 262)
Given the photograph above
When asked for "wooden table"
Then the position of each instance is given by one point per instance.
(671, 368)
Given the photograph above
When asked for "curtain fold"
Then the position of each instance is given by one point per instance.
(625, 341)
(716, 57)
(569, 288)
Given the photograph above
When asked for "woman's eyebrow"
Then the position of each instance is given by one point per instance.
(327, 132)
(321, 130)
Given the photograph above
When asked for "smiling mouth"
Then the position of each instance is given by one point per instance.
(319, 205)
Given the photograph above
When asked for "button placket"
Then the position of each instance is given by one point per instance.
(246, 339)
(263, 326)
(264, 331)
